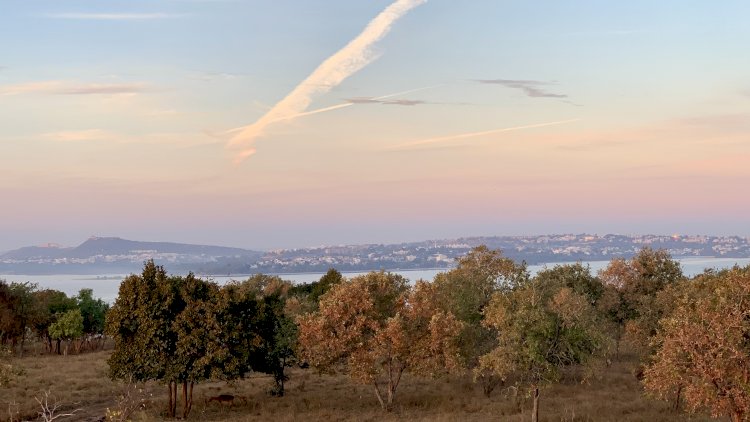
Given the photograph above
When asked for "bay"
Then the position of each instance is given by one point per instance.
(106, 286)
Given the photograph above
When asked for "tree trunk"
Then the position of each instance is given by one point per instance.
(187, 399)
(677, 399)
(184, 400)
(380, 398)
(169, 408)
(535, 410)
(174, 404)
(58, 346)
(172, 411)
(190, 398)
(737, 416)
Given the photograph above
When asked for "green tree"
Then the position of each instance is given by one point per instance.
(68, 327)
(94, 311)
(50, 304)
(542, 326)
(304, 297)
(272, 330)
(198, 353)
(17, 313)
(465, 292)
(141, 323)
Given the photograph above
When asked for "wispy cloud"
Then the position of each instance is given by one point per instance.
(185, 140)
(93, 89)
(330, 108)
(114, 16)
(71, 88)
(534, 89)
(334, 70)
(373, 100)
(441, 141)
(78, 135)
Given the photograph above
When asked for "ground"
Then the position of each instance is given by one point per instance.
(80, 382)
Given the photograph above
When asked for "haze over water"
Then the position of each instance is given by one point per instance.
(106, 286)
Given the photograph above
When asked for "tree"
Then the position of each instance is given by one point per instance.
(263, 326)
(702, 347)
(94, 311)
(141, 323)
(198, 353)
(17, 312)
(304, 297)
(381, 328)
(466, 290)
(542, 326)
(68, 327)
(642, 283)
(50, 304)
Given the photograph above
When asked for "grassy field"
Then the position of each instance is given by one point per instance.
(80, 382)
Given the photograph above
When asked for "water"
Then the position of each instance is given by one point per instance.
(106, 286)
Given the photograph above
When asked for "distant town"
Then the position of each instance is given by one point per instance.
(107, 255)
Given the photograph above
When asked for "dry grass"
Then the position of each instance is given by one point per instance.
(81, 382)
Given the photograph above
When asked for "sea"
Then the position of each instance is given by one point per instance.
(106, 286)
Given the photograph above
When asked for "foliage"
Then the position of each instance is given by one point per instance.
(644, 298)
(141, 323)
(702, 347)
(542, 327)
(94, 311)
(50, 304)
(380, 328)
(68, 326)
(16, 312)
(465, 292)
(183, 330)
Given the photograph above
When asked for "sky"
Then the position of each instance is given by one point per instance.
(290, 123)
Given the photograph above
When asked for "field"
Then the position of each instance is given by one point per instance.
(80, 382)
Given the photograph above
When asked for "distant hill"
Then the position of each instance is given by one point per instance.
(116, 246)
(99, 255)
(113, 255)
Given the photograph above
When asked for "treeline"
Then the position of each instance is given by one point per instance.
(51, 316)
(488, 317)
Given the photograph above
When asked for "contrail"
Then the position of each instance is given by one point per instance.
(334, 70)
(423, 142)
(331, 108)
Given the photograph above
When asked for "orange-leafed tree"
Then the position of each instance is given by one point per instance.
(377, 327)
(703, 346)
(644, 295)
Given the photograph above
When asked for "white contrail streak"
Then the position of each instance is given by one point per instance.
(331, 108)
(334, 70)
(430, 141)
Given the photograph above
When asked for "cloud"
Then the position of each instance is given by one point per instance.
(185, 140)
(78, 135)
(373, 100)
(363, 100)
(215, 76)
(530, 88)
(93, 89)
(333, 71)
(114, 16)
(71, 88)
(441, 141)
